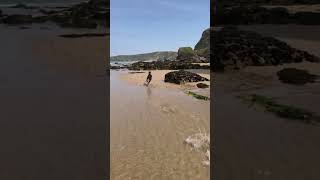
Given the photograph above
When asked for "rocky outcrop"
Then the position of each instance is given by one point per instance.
(84, 15)
(186, 54)
(165, 65)
(254, 14)
(17, 19)
(296, 76)
(118, 67)
(203, 46)
(182, 76)
(23, 6)
(84, 35)
(307, 18)
(234, 49)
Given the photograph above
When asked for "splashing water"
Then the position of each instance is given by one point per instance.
(200, 142)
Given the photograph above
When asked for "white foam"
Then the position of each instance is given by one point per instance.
(200, 142)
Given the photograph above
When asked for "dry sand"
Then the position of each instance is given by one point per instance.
(253, 144)
(158, 80)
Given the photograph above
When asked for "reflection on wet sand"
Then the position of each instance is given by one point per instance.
(148, 91)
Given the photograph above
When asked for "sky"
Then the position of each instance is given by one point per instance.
(142, 26)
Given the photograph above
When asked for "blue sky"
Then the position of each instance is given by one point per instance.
(142, 26)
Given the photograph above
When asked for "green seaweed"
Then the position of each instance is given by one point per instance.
(198, 96)
(281, 110)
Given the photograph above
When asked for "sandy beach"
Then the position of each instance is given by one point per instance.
(53, 104)
(149, 126)
(254, 144)
(139, 77)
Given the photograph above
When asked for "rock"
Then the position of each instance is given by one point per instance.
(204, 41)
(83, 15)
(40, 19)
(186, 54)
(115, 67)
(256, 14)
(17, 19)
(307, 18)
(235, 49)
(296, 76)
(24, 27)
(84, 35)
(118, 67)
(202, 85)
(202, 47)
(136, 72)
(165, 65)
(23, 6)
(44, 28)
(48, 12)
(246, 15)
(182, 76)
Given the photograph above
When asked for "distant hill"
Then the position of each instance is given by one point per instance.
(161, 55)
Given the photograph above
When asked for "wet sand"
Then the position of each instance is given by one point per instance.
(253, 144)
(148, 128)
(53, 106)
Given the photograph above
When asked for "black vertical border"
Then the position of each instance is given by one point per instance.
(107, 76)
(213, 133)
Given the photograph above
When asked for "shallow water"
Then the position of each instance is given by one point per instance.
(148, 129)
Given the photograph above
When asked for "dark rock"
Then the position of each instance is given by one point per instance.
(307, 18)
(202, 85)
(182, 76)
(84, 35)
(165, 65)
(40, 19)
(115, 67)
(119, 67)
(83, 15)
(256, 14)
(24, 27)
(235, 49)
(44, 28)
(48, 12)
(23, 6)
(136, 72)
(296, 76)
(17, 19)
(252, 15)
